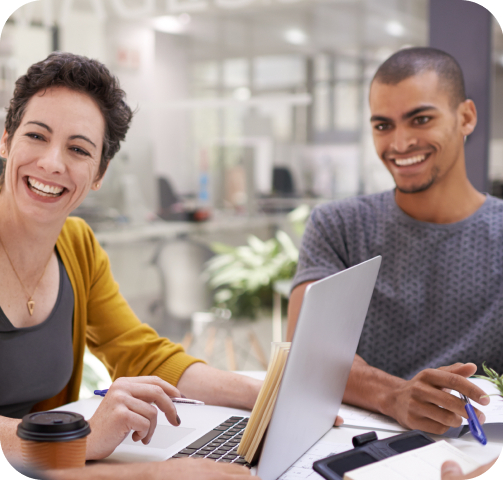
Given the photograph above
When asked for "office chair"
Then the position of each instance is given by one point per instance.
(282, 182)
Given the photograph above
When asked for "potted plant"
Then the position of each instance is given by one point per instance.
(243, 276)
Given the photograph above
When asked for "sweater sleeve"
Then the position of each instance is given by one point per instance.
(116, 336)
(323, 250)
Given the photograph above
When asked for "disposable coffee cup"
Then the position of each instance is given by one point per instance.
(53, 440)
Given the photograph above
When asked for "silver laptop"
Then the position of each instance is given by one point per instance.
(317, 369)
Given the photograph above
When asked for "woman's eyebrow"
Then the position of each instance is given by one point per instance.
(40, 124)
(82, 137)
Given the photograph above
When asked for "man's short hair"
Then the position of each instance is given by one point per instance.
(413, 61)
(82, 75)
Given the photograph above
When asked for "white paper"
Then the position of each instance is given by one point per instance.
(358, 417)
(493, 411)
(303, 467)
(420, 464)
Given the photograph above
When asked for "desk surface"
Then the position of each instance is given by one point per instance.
(339, 439)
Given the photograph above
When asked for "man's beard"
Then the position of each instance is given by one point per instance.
(422, 187)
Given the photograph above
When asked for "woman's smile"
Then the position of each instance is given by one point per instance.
(43, 189)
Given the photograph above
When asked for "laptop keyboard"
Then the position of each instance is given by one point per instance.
(219, 444)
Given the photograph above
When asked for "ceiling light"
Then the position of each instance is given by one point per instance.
(295, 36)
(172, 24)
(395, 29)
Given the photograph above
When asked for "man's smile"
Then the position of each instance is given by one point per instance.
(408, 161)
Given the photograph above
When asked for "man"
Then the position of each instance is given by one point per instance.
(438, 297)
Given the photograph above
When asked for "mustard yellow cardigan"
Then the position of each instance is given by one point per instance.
(103, 320)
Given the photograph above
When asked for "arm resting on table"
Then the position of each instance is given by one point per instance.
(417, 403)
(216, 387)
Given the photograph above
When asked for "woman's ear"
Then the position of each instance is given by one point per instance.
(3, 144)
(468, 116)
(98, 180)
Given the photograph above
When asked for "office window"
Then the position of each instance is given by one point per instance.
(277, 71)
(347, 106)
(322, 106)
(236, 72)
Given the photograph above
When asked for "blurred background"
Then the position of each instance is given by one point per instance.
(248, 113)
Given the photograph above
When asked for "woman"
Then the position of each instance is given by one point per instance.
(57, 294)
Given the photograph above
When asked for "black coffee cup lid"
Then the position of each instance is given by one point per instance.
(54, 426)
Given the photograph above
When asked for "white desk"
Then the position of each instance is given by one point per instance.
(335, 440)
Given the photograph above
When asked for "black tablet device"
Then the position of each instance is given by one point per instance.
(368, 449)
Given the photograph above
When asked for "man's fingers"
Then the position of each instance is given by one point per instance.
(426, 425)
(451, 471)
(459, 367)
(442, 416)
(443, 379)
(338, 421)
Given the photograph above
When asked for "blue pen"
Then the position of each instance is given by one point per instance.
(473, 422)
(187, 401)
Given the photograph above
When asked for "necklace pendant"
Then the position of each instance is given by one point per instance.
(31, 306)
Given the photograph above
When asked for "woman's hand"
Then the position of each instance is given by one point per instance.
(174, 469)
(452, 471)
(128, 406)
(201, 469)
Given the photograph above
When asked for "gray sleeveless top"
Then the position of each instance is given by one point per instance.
(37, 362)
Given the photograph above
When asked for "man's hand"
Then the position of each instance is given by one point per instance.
(452, 471)
(128, 406)
(424, 402)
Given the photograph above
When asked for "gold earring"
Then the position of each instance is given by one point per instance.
(97, 185)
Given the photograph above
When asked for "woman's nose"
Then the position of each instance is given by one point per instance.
(52, 160)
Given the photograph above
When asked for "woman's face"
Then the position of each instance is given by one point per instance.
(54, 155)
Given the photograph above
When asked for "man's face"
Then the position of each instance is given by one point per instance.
(417, 133)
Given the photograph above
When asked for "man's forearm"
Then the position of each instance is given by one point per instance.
(370, 388)
(217, 387)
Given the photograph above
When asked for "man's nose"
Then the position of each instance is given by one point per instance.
(52, 160)
(403, 139)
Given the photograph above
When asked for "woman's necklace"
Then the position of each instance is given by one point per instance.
(30, 303)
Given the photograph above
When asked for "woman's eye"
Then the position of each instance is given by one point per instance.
(79, 151)
(35, 136)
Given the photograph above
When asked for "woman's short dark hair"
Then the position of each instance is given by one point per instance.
(83, 75)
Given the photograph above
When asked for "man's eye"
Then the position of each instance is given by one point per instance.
(381, 127)
(422, 120)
